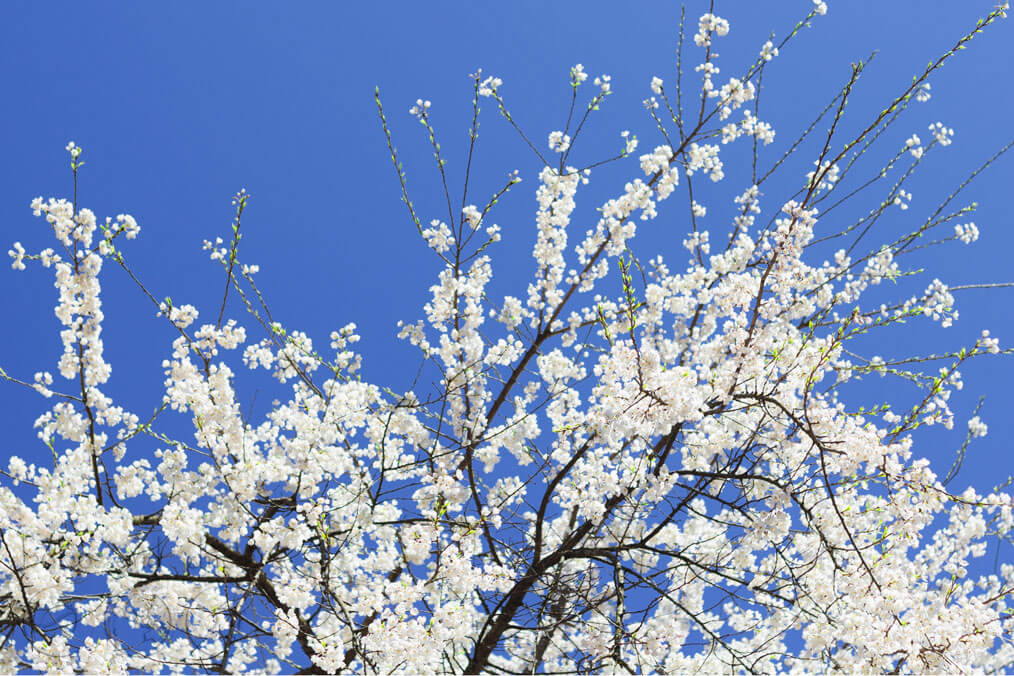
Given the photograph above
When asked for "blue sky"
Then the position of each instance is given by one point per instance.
(179, 105)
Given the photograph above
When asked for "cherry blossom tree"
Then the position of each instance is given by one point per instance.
(633, 465)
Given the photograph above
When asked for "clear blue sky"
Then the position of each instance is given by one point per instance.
(178, 105)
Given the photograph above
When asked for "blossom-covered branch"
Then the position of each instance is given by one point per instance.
(632, 464)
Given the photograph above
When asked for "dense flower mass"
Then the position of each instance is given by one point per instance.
(665, 479)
